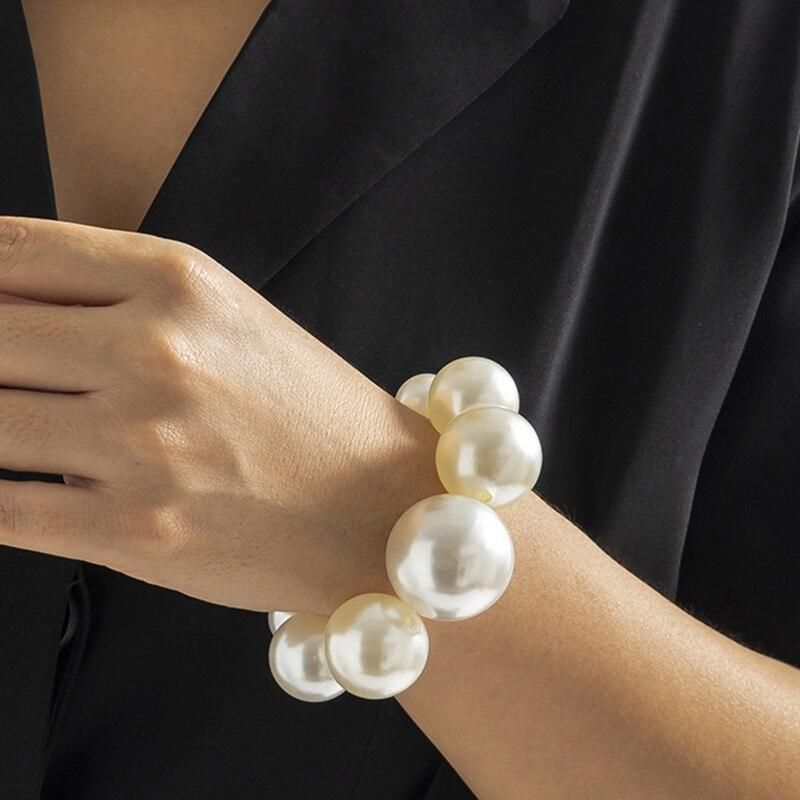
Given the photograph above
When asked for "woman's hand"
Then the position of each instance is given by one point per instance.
(213, 446)
(208, 443)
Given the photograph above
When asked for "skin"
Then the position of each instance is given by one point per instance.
(204, 451)
(107, 71)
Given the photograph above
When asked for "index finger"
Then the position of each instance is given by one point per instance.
(67, 263)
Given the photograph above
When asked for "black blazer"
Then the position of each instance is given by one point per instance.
(604, 201)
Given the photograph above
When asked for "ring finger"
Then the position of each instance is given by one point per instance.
(51, 433)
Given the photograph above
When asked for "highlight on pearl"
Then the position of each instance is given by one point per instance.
(490, 454)
(449, 557)
(414, 392)
(376, 645)
(467, 383)
(297, 659)
(277, 618)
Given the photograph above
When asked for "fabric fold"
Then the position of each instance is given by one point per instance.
(319, 105)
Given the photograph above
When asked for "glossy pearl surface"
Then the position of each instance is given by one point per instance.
(449, 557)
(297, 659)
(466, 383)
(414, 392)
(376, 645)
(277, 618)
(490, 454)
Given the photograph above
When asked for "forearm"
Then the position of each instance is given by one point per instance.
(582, 681)
(235, 458)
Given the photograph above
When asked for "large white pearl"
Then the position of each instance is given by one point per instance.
(376, 645)
(414, 392)
(466, 383)
(490, 454)
(277, 618)
(449, 557)
(297, 659)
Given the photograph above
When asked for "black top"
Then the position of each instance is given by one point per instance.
(603, 201)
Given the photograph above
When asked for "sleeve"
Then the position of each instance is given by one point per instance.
(741, 561)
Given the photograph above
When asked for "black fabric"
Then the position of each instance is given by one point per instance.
(34, 587)
(603, 201)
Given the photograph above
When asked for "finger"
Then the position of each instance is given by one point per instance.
(62, 262)
(53, 348)
(49, 432)
(68, 521)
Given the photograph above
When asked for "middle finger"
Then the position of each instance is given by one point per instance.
(52, 348)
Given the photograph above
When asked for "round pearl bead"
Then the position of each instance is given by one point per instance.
(376, 645)
(449, 557)
(490, 454)
(297, 659)
(277, 618)
(414, 392)
(468, 383)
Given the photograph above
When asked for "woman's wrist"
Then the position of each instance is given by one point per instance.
(387, 466)
(448, 555)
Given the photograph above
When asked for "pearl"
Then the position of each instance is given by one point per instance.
(466, 383)
(376, 645)
(414, 392)
(449, 557)
(297, 659)
(490, 454)
(277, 618)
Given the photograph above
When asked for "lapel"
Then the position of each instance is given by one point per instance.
(321, 102)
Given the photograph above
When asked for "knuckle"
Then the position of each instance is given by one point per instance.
(146, 442)
(160, 353)
(156, 532)
(183, 269)
(137, 440)
(160, 350)
(169, 350)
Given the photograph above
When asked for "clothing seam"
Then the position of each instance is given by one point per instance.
(74, 655)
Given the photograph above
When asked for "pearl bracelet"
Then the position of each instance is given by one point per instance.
(448, 557)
